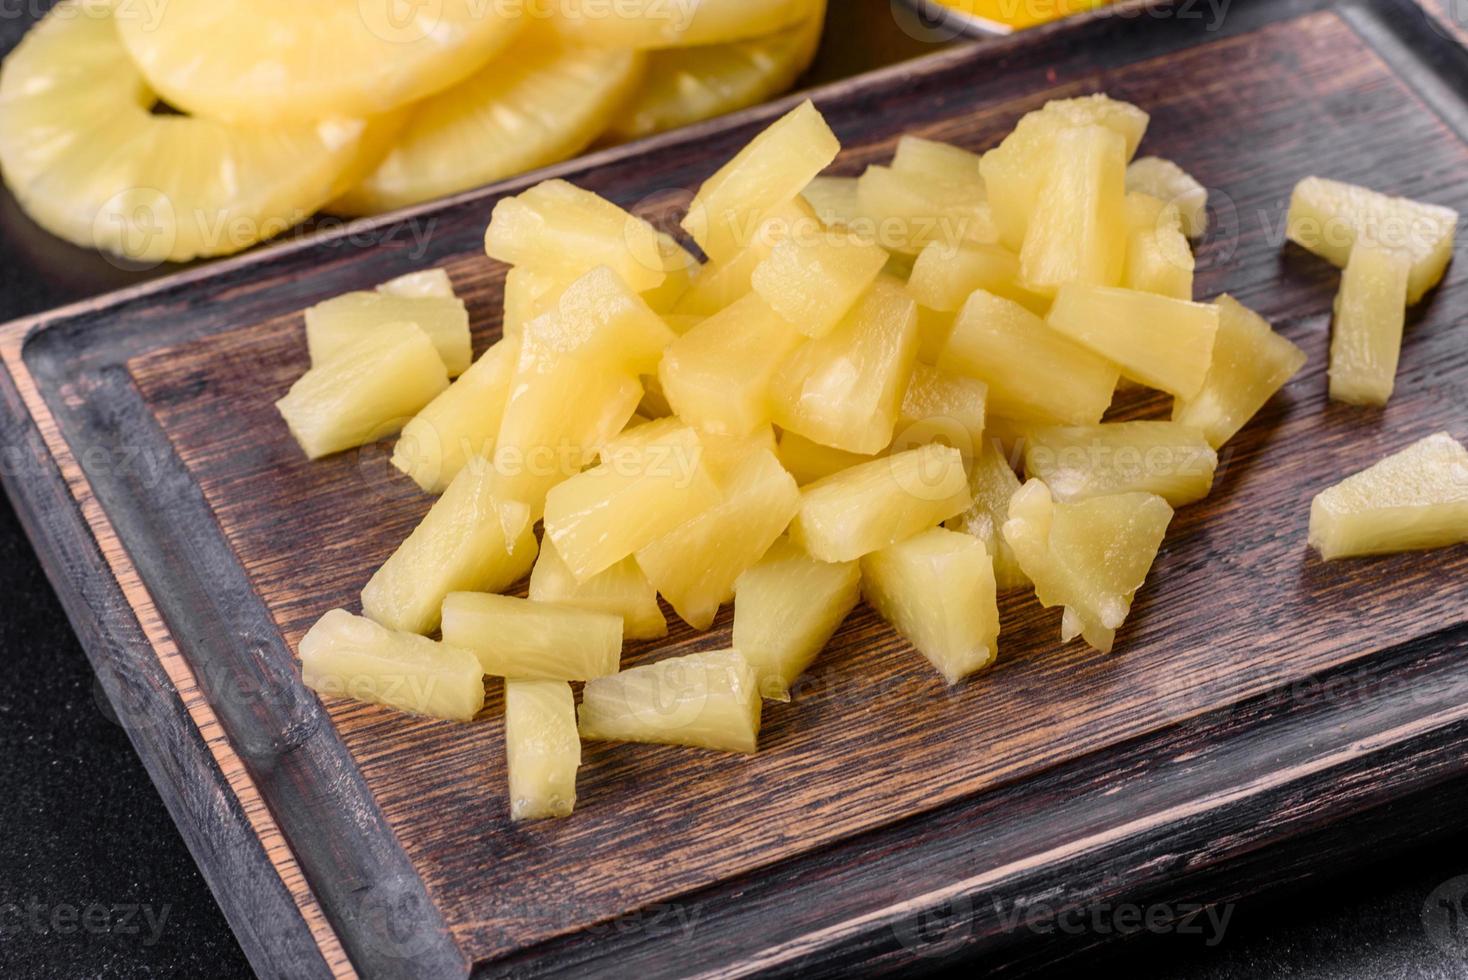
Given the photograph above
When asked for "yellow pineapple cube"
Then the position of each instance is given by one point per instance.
(1169, 459)
(1158, 341)
(1165, 181)
(1020, 357)
(767, 173)
(934, 328)
(368, 391)
(877, 504)
(622, 590)
(908, 211)
(1329, 217)
(942, 407)
(845, 389)
(637, 494)
(705, 700)
(718, 375)
(813, 281)
(720, 284)
(787, 607)
(695, 565)
(1077, 230)
(525, 639)
(1366, 339)
(939, 162)
(834, 201)
(810, 461)
(991, 484)
(461, 423)
(459, 546)
(528, 294)
(945, 276)
(1158, 258)
(937, 590)
(346, 656)
(542, 748)
(419, 285)
(1090, 556)
(334, 325)
(1412, 500)
(681, 269)
(598, 317)
(1250, 363)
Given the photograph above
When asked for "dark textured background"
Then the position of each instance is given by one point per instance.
(86, 845)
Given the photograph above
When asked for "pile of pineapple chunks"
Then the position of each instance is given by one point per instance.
(829, 407)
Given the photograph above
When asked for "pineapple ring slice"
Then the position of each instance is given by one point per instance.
(89, 162)
(275, 61)
(538, 104)
(645, 24)
(686, 85)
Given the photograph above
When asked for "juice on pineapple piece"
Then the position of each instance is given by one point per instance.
(719, 284)
(877, 504)
(942, 407)
(991, 484)
(1169, 459)
(369, 390)
(1158, 341)
(1090, 556)
(1077, 230)
(633, 497)
(346, 656)
(845, 389)
(767, 173)
(525, 639)
(945, 276)
(1158, 258)
(598, 318)
(695, 565)
(814, 280)
(528, 295)
(542, 748)
(909, 211)
(705, 700)
(655, 24)
(834, 201)
(1329, 218)
(1250, 363)
(561, 231)
(1020, 357)
(622, 590)
(1366, 338)
(938, 162)
(786, 609)
(423, 284)
(1412, 500)
(810, 461)
(1165, 181)
(460, 424)
(937, 590)
(459, 546)
(717, 376)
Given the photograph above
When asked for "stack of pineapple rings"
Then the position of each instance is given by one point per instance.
(355, 106)
(831, 406)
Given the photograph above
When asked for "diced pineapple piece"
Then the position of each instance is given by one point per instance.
(834, 200)
(845, 389)
(786, 609)
(934, 328)
(542, 748)
(420, 285)
(522, 638)
(1250, 363)
(810, 461)
(598, 318)
(1020, 358)
(1412, 500)
(991, 484)
(334, 325)
(942, 407)
(695, 565)
(706, 700)
(1169, 459)
(767, 173)
(1077, 230)
(877, 504)
(945, 276)
(366, 392)
(813, 281)
(939, 162)
(718, 375)
(937, 590)
(561, 231)
(634, 496)
(346, 656)
(1329, 218)
(1158, 341)
(528, 294)
(1158, 259)
(681, 268)
(909, 211)
(459, 546)
(460, 424)
(1167, 182)
(1090, 556)
(1366, 339)
(622, 590)
(721, 283)
(724, 455)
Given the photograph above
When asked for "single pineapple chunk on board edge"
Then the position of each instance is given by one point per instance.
(1412, 500)
(1366, 338)
(542, 748)
(334, 324)
(705, 700)
(522, 638)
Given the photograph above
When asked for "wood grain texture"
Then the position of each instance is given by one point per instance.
(878, 792)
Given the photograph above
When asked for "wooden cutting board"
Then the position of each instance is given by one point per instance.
(1256, 694)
